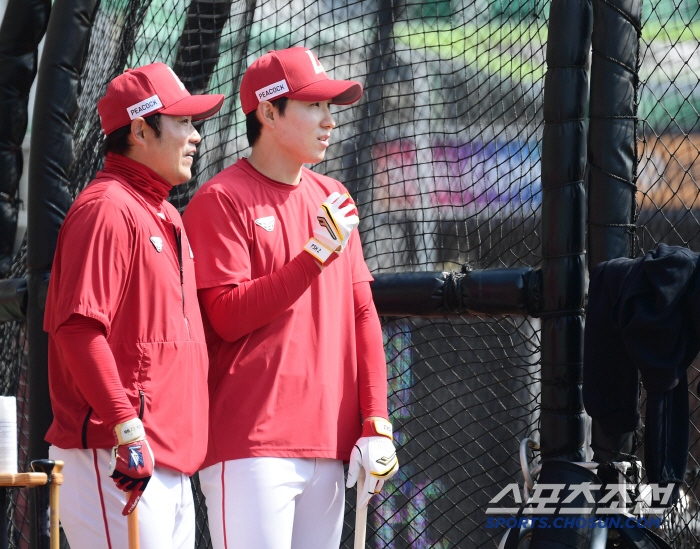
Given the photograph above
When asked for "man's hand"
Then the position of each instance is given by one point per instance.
(335, 220)
(132, 461)
(374, 452)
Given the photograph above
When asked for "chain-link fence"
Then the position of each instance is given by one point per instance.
(13, 375)
(668, 196)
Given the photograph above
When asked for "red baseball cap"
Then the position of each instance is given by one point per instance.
(148, 90)
(295, 73)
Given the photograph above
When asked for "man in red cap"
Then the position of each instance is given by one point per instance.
(295, 345)
(127, 355)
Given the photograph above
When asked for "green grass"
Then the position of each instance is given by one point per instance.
(672, 32)
(494, 48)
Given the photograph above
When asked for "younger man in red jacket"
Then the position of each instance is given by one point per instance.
(295, 344)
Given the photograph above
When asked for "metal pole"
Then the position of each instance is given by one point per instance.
(41, 538)
(3, 518)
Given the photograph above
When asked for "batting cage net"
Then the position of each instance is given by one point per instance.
(13, 376)
(442, 155)
(668, 191)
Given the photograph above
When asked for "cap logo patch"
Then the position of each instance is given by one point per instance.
(157, 243)
(267, 223)
(315, 62)
(142, 108)
(272, 91)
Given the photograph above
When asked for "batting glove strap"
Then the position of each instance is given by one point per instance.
(377, 427)
(377, 456)
(335, 220)
(317, 249)
(129, 431)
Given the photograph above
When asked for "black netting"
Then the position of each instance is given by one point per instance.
(443, 157)
(13, 377)
(668, 194)
(462, 395)
(669, 133)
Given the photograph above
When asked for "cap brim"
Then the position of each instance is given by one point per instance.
(340, 92)
(196, 106)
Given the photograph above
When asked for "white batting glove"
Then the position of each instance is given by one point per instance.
(335, 220)
(375, 452)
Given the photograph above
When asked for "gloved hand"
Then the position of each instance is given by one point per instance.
(131, 466)
(335, 220)
(376, 453)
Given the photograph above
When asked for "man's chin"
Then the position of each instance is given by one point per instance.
(180, 181)
(317, 159)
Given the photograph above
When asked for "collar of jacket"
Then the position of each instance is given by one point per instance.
(144, 180)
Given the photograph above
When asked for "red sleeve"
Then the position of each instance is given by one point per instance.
(91, 266)
(235, 311)
(360, 272)
(220, 239)
(371, 361)
(91, 363)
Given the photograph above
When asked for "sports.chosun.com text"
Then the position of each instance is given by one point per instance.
(574, 522)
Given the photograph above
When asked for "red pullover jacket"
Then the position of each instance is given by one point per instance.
(123, 259)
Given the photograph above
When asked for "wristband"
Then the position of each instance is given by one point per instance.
(377, 427)
(129, 431)
(318, 250)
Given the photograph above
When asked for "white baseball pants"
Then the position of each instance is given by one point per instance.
(275, 503)
(91, 505)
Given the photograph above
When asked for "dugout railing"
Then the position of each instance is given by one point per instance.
(469, 157)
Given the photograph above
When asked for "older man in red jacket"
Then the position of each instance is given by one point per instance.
(127, 356)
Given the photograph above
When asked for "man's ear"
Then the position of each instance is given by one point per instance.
(138, 131)
(266, 114)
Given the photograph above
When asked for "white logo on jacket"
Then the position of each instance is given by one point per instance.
(267, 223)
(157, 243)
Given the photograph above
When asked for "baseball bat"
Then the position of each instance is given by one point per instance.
(133, 528)
(54, 529)
(360, 514)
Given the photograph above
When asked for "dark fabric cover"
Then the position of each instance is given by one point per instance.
(563, 231)
(642, 538)
(561, 472)
(23, 27)
(642, 319)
